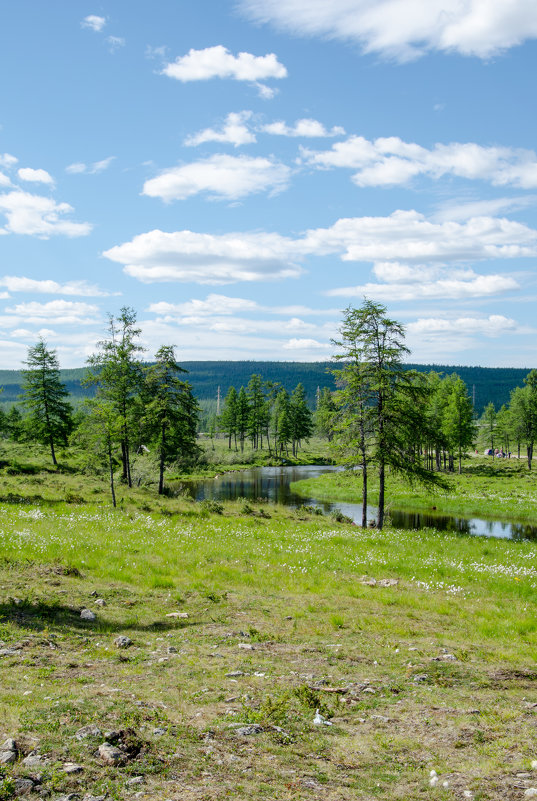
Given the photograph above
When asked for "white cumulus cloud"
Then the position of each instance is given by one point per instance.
(406, 29)
(493, 326)
(389, 161)
(36, 176)
(15, 283)
(218, 62)
(35, 215)
(92, 169)
(94, 22)
(206, 258)
(213, 305)
(220, 176)
(63, 312)
(306, 344)
(306, 128)
(234, 131)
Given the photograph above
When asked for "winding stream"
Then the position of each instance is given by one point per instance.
(274, 483)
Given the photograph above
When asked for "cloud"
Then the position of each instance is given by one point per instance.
(406, 29)
(411, 237)
(37, 176)
(303, 128)
(115, 42)
(206, 258)
(213, 305)
(35, 215)
(222, 177)
(493, 326)
(7, 160)
(15, 283)
(5, 180)
(473, 286)
(59, 312)
(94, 22)
(218, 62)
(92, 169)
(405, 247)
(306, 344)
(460, 210)
(389, 161)
(234, 131)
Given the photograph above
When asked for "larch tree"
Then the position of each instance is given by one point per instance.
(458, 422)
(117, 371)
(172, 412)
(49, 419)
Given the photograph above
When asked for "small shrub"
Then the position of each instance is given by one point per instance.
(211, 506)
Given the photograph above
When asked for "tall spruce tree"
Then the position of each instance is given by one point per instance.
(49, 418)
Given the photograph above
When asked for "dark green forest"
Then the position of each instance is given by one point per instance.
(490, 384)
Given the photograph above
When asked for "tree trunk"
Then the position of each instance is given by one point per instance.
(111, 465)
(54, 462)
(380, 520)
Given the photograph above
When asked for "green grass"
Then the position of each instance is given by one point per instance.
(436, 671)
(499, 489)
(294, 591)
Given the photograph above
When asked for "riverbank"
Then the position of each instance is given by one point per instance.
(499, 489)
(418, 648)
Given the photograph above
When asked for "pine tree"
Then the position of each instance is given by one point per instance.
(49, 418)
(458, 423)
(301, 418)
(228, 418)
(243, 416)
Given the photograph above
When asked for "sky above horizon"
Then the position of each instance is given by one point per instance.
(240, 172)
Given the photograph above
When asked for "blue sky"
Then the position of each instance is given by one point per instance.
(240, 172)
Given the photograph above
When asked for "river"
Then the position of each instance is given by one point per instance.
(273, 483)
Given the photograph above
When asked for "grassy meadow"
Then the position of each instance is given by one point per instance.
(243, 620)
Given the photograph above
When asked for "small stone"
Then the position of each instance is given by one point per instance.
(159, 731)
(172, 649)
(246, 646)
(234, 673)
(9, 745)
(122, 641)
(531, 792)
(100, 602)
(69, 797)
(17, 601)
(110, 754)
(23, 786)
(136, 780)
(8, 757)
(182, 615)
(32, 760)
(94, 798)
(72, 767)
(247, 731)
(88, 731)
(87, 614)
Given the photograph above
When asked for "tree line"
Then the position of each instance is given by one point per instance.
(266, 414)
(515, 423)
(136, 407)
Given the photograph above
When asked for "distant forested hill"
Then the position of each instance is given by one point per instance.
(488, 383)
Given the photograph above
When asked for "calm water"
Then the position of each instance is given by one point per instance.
(273, 483)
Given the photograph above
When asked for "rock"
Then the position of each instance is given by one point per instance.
(111, 755)
(87, 614)
(534, 764)
(33, 760)
(94, 798)
(387, 582)
(172, 649)
(69, 797)
(182, 615)
(72, 767)
(234, 673)
(100, 602)
(8, 651)
(23, 786)
(247, 731)
(8, 757)
(136, 780)
(9, 745)
(159, 731)
(88, 731)
(420, 678)
(122, 641)
(246, 646)
(531, 792)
